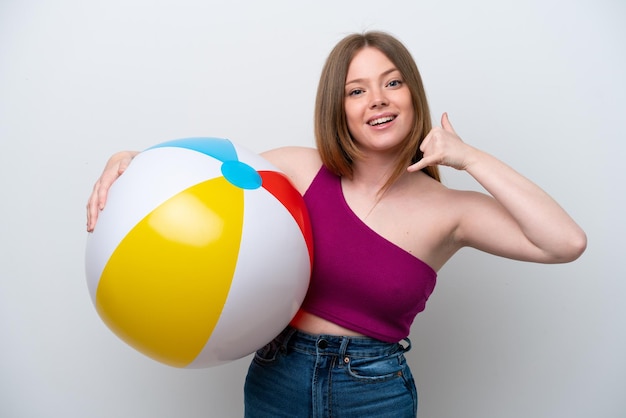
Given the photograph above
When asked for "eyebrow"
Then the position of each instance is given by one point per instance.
(384, 73)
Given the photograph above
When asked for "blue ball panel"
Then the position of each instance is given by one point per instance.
(218, 148)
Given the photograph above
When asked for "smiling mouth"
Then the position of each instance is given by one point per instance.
(380, 121)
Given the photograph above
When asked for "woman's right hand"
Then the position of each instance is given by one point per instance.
(114, 168)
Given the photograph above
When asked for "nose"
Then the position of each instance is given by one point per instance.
(378, 99)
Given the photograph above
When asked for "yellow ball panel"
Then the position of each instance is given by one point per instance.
(164, 287)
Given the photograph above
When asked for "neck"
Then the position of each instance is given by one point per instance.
(370, 175)
(365, 192)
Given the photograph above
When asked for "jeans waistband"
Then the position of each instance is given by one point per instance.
(292, 338)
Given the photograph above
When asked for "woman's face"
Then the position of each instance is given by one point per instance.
(378, 105)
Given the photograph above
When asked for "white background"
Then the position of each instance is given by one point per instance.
(538, 83)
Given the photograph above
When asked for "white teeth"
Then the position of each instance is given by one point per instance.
(381, 120)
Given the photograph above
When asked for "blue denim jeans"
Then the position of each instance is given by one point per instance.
(320, 376)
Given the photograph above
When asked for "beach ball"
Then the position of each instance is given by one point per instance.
(202, 254)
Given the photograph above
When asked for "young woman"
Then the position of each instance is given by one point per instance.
(383, 225)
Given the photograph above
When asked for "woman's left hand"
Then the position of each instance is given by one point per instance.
(518, 220)
(442, 146)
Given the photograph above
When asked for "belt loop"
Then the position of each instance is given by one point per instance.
(344, 346)
(408, 345)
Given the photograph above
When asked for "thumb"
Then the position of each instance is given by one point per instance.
(445, 123)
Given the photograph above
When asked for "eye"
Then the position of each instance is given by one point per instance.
(355, 92)
(395, 83)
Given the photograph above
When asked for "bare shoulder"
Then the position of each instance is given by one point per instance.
(440, 194)
(436, 202)
(471, 216)
(434, 216)
(300, 164)
(457, 205)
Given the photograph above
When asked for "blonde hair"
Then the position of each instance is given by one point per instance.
(334, 142)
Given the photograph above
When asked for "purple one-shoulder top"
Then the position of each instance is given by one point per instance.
(360, 280)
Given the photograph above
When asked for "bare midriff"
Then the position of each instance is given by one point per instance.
(313, 324)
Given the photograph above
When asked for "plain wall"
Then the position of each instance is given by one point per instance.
(540, 84)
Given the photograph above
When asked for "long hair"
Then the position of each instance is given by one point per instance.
(334, 142)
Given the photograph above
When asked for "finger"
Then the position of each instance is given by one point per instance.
(92, 211)
(92, 217)
(445, 123)
(426, 141)
(415, 167)
(103, 192)
(422, 164)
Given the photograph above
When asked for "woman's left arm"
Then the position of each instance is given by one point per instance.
(521, 220)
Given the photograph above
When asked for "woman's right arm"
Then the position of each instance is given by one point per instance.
(300, 164)
(114, 168)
